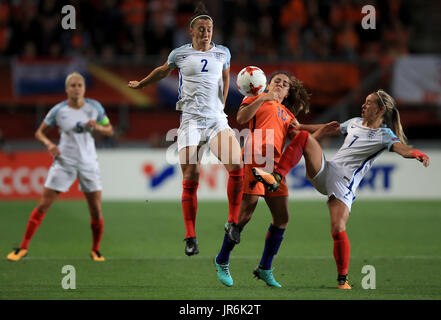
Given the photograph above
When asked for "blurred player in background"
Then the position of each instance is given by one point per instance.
(378, 129)
(204, 77)
(75, 157)
(270, 116)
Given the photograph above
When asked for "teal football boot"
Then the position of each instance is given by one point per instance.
(267, 276)
(223, 273)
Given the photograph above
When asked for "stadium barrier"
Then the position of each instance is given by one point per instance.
(156, 175)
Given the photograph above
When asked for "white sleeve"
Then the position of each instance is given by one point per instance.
(171, 59)
(344, 126)
(388, 138)
(51, 117)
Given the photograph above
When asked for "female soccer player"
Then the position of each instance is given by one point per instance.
(378, 129)
(75, 156)
(204, 76)
(270, 116)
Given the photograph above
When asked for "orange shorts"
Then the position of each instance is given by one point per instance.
(252, 186)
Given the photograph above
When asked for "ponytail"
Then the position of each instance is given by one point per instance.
(391, 117)
(200, 12)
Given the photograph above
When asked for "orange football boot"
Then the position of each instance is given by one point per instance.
(17, 254)
(270, 180)
(96, 256)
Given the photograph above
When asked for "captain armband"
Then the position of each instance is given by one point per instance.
(104, 122)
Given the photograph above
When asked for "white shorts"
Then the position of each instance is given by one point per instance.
(328, 182)
(61, 176)
(196, 130)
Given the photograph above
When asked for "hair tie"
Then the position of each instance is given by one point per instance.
(201, 16)
(380, 98)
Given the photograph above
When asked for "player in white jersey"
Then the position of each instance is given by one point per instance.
(74, 157)
(204, 77)
(378, 129)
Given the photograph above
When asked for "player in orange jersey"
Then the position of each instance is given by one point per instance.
(271, 116)
(367, 137)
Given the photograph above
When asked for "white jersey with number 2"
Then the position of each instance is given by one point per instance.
(201, 87)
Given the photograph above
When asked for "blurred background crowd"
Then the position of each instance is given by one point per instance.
(268, 30)
(123, 40)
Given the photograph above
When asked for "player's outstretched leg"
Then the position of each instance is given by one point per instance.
(289, 159)
(271, 180)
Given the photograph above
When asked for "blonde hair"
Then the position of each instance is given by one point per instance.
(73, 74)
(391, 117)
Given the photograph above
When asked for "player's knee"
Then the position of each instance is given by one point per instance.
(338, 226)
(245, 215)
(44, 205)
(191, 176)
(243, 220)
(281, 221)
(96, 214)
(190, 173)
(234, 166)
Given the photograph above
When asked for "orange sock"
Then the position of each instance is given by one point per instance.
(292, 153)
(33, 223)
(97, 233)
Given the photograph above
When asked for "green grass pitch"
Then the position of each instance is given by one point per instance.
(143, 245)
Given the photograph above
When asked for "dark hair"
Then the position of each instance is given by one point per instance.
(200, 10)
(298, 98)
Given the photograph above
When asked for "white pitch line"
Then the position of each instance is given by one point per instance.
(183, 257)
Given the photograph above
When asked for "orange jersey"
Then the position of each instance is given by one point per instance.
(268, 129)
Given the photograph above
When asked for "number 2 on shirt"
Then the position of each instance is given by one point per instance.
(205, 64)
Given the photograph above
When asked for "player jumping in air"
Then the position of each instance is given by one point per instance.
(204, 77)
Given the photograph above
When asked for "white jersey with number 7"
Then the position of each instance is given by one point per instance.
(360, 149)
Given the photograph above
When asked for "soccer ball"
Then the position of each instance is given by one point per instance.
(251, 81)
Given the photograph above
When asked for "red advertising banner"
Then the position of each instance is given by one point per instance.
(22, 175)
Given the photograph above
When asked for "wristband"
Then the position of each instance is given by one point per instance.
(417, 153)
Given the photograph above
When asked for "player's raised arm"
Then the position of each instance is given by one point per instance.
(407, 152)
(40, 135)
(318, 131)
(247, 111)
(156, 75)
